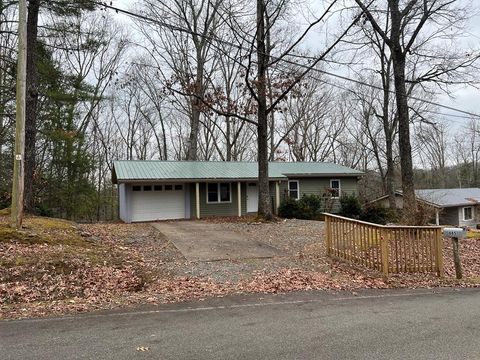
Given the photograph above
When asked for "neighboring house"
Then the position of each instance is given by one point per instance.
(459, 207)
(160, 190)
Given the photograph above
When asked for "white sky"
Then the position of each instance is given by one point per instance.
(464, 98)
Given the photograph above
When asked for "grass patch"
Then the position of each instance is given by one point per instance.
(53, 259)
(473, 234)
(7, 234)
(41, 230)
(5, 212)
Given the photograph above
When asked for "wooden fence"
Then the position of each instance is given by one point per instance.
(389, 249)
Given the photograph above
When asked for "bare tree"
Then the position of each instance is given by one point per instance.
(433, 148)
(401, 25)
(187, 55)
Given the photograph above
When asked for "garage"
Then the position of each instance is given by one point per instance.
(157, 202)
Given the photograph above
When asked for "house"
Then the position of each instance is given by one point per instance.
(458, 207)
(160, 190)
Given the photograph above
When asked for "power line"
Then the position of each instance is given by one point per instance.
(240, 47)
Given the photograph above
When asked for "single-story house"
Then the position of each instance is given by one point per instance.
(160, 190)
(458, 207)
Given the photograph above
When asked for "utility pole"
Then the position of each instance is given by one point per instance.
(19, 158)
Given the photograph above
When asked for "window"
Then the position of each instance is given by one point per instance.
(157, 188)
(137, 188)
(467, 213)
(168, 187)
(147, 187)
(212, 193)
(335, 187)
(224, 190)
(293, 189)
(178, 187)
(219, 193)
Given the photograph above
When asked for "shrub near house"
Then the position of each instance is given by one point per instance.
(308, 207)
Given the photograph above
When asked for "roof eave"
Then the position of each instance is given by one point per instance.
(195, 179)
(323, 174)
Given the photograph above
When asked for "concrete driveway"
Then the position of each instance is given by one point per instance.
(203, 241)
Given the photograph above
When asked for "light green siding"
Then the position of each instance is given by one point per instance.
(307, 186)
(319, 186)
(217, 209)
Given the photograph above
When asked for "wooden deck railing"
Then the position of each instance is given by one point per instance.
(389, 249)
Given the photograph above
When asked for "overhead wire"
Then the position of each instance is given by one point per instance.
(212, 38)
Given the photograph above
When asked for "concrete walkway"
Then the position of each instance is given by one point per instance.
(203, 241)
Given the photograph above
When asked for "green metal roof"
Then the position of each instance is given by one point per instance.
(138, 170)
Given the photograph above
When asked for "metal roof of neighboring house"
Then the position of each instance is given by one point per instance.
(138, 170)
(450, 197)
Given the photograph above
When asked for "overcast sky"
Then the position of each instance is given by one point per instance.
(464, 98)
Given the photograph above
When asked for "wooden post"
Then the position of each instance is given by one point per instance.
(456, 258)
(384, 246)
(197, 200)
(437, 216)
(328, 233)
(277, 196)
(239, 198)
(439, 253)
(19, 156)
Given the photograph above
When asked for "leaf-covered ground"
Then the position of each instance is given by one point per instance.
(54, 267)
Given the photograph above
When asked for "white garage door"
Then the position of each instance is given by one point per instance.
(158, 202)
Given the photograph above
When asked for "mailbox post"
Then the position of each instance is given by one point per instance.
(455, 234)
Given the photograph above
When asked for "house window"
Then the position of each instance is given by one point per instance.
(335, 187)
(157, 188)
(136, 188)
(168, 187)
(224, 190)
(293, 189)
(219, 193)
(147, 187)
(468, 213)
(178, 187)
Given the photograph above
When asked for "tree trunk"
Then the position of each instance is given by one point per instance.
(192, 152)
(399, 61)
(31, 104)
(194, 128)
(264, 205)
(228, 137)
(404, 133)
(390, 178)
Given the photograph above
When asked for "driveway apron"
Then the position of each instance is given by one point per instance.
(203, 241)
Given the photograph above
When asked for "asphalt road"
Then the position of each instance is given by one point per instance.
(420, 324)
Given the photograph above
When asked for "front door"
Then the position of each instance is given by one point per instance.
(252, 198)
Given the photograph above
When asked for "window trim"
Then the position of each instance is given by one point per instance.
(463, 213)
(339, 188)
(219, 201)
(297, 189)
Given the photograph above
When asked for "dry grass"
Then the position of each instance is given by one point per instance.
(53, 260)
(5, 212)
(41, 230)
